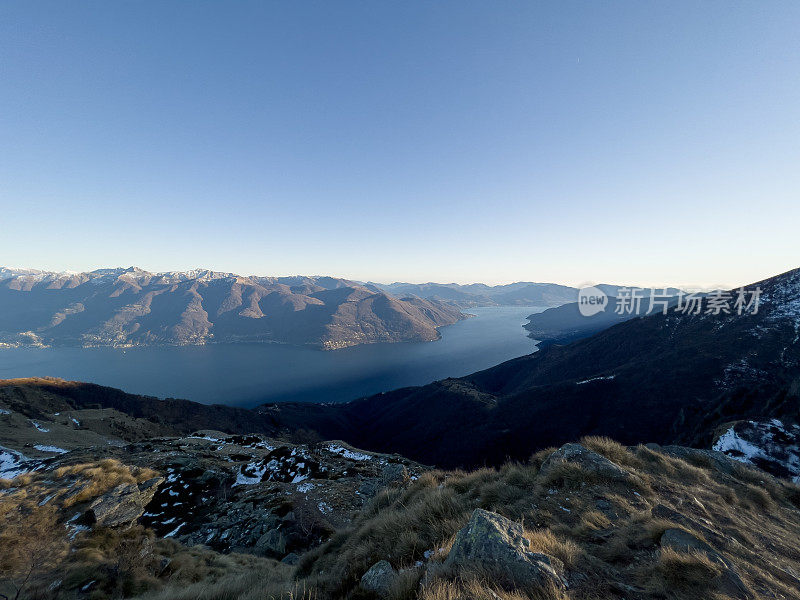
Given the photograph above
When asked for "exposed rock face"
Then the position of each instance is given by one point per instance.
(683, 541)
(272, 543)
(588, 460)
(379, 578)
(721, 462)
(492, 542)
(124, 504)
(251, 494)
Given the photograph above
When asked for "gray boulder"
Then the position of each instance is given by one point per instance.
(272, 543)
(588, 460)
(124, 504)
(392, 473)
(683, 541)
(494, 543)
(379, 578)
(721, 462)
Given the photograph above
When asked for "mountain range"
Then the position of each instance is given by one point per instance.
(523, 293)
(126, 307)
(132, 307)
(663, 378)
(132, 496)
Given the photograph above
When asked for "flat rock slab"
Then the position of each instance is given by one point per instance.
(588, 460)
(124, 504)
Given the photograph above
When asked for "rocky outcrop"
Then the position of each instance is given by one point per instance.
(720, 461)
(379, 579)
(497, 545)
(123, 505)
(272, 543)
(256, 495)
(588, 460)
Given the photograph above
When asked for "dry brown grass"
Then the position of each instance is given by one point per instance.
(131, 562)
(483, 588)
(94, 479)
(546, 542)
(612, 450)
(537, 458)
(605, 532)
(684, 575)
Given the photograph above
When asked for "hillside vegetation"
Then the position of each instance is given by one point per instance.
(606, 521)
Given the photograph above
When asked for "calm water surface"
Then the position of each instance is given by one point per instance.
(249, 374)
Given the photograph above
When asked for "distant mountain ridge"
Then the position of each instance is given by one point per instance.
(131, 306)
(522, 293)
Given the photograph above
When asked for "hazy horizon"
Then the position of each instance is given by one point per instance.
(578, 284)
(455, 141)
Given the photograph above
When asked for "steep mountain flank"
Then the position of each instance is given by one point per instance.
(669, 378)
(125, 307)
(565, 323)
(67, 408)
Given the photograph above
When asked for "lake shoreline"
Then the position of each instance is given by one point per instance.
(248, 374)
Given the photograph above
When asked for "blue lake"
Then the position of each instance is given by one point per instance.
(250, 374)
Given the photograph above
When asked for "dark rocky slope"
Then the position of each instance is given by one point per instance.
(666, 378)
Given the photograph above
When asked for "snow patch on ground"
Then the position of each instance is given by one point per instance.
(348, 453)
(769, 445)
(204, 437)
(730, 443)
(11, 463)
(55, 449)
(281, 464)
(606, 378)
(174, 531)
(783, 299)
(40, 427)
(251, 474)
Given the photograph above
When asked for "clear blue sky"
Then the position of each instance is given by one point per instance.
(636, 142)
